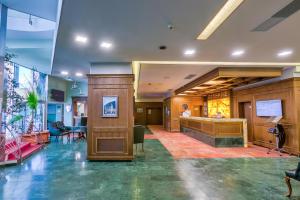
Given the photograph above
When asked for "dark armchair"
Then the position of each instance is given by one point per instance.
(57, 130)
(138, 133)
(294, 174)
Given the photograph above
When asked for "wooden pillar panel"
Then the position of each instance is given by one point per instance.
(110, 138)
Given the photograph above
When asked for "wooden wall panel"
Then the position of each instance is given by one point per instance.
(172, 122)
(289, 92)
(110, 138)
(141, 117)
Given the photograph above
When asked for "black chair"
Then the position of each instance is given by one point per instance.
(57, 130)
(138, 133)
(292, 174)
(83, 122)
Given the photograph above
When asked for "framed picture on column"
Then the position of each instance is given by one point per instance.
(110, 106)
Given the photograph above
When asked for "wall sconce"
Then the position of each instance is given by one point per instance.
(68, 108)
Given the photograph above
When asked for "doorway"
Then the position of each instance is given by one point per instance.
(79, 105)
(245, 111)
(55, 112)
(153, 116)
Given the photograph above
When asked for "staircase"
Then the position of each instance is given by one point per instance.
(16, 152)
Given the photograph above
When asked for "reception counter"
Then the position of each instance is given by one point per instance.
(225, 132)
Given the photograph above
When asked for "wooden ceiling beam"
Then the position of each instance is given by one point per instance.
(234, 76)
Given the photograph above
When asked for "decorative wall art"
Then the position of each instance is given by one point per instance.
(110, 106)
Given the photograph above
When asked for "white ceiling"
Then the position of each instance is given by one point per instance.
(32, 44)
(159, 81)
(138, 27)
(46, 9)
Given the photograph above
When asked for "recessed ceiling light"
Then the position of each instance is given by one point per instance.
(78, 74)
(285, 53)
(81, 39)
(189, 52)
(64, 73)
(199, 88)
(237, 53)
(214, 82)
(106, 45)
(190, 91)
(229, 7)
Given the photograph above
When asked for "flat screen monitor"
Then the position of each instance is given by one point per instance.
(269, 108)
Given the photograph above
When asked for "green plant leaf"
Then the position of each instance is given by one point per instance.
(15, 119)
(32, 100)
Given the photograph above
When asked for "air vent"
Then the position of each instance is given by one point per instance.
(278, 17)
(190, 76)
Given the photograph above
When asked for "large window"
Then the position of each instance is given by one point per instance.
(20, 80)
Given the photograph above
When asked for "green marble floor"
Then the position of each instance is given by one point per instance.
(61, 172)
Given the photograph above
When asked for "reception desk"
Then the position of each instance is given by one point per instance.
(225, 132)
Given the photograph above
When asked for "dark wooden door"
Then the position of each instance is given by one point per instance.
(248, 115)
(153, 116)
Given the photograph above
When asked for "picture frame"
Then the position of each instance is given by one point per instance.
(110, 106)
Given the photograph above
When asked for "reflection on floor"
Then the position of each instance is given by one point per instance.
(181, 146)
(61, 172)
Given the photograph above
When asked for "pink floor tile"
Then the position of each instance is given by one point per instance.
(150, 137)
(181, 146)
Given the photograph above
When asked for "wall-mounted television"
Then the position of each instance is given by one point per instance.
(269, 108)
(57, 95)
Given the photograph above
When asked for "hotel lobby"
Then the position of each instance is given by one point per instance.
(196, 99)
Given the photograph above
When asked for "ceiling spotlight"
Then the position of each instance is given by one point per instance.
(81, 39)
(64, 73)
(79, 74)
(189, 52)
(285, 53)
(237, 53)
(106, 45)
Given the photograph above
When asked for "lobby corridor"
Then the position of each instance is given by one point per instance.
(61, 171)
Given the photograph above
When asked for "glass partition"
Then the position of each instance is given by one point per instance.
(18, 81)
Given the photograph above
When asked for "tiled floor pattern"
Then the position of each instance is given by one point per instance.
(150, 137)
(181, 146)
(61, 172)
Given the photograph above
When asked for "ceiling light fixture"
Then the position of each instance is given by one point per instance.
(79, 74)
(285, 53)
(64, 73)
(189, 52)
(237, 53)
(106, 45)
(199, 88)
(30, 20)
(181, 94)
(190, 91)
(229, 7)
(81, 39)
(214, 82)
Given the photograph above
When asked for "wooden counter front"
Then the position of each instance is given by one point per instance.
(216, 132)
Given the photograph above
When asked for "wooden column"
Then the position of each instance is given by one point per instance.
(110, 138)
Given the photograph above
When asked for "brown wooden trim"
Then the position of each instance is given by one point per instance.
(250, 74)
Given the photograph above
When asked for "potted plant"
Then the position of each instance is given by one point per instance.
(32, 101)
